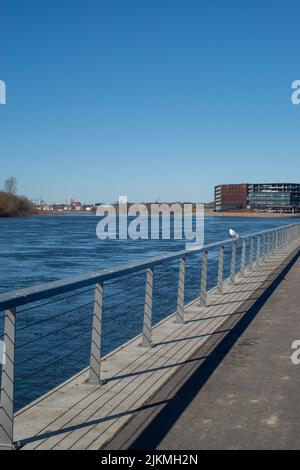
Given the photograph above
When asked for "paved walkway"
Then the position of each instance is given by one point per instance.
(244, 396)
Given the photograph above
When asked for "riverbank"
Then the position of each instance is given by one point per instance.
(271, 215)
(208, 213)
(12, 205)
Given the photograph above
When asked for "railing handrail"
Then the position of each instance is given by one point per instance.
(19, 297)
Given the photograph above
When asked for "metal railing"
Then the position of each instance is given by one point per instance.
(195, 272)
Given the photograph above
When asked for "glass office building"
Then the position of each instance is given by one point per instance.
(271, 197)
(274, 197)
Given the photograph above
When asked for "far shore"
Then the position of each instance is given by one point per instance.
(276, 215)
(208, 213)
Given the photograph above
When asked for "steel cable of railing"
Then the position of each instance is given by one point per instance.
(125, 278)
(162, 304)
(126, 312)
(113, 328)
(168, 278)
(158, 284)
(123, 291)
(56, 346)
(162, 290)
(62, 299)
(165, 268)
(44, 367)
(54, 376)
(162, 276)
(68, 325)
(111, 307)
(65, 313)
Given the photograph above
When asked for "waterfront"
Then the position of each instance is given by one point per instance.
(37, 250)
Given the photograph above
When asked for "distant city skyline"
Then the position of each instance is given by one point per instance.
(156, 100)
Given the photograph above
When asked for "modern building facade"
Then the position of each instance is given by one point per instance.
(271, 197)
(274, 197)
(231, 197)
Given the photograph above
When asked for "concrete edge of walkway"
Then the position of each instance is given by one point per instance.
(135, 433)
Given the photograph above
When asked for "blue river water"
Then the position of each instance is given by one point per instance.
(53, 337)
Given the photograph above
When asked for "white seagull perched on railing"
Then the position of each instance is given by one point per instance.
(233, 233)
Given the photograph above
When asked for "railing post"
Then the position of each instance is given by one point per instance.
(181, 289)
(273, 242)
(220, 270)
(277, 241)
(269, 249)
(147, 327)
(95, 357)
(270, 244)
(280, 240)
(263, 248)
(233, 263)
(7, 383)
(285, 237)
(251, 254)
(243, 258)
(258, 250)
(203, 278)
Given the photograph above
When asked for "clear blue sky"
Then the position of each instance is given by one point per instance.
(149, 98)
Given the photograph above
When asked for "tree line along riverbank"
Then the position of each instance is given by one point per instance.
(12, 205)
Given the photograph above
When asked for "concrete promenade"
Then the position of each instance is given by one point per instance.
(244, 396)
(150, 390)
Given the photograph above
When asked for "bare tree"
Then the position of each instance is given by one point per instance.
(10, 185)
